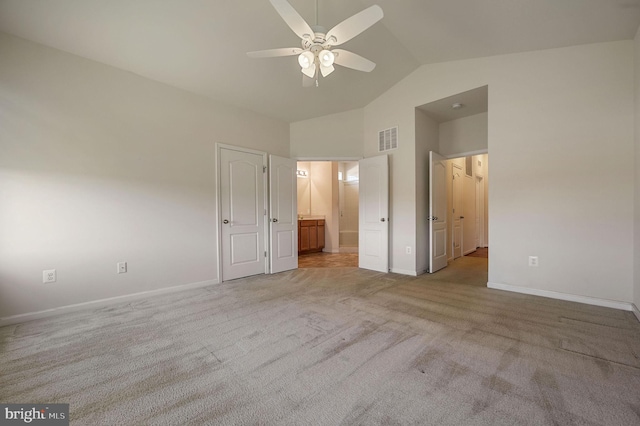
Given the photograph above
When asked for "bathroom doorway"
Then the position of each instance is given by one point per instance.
(328, 210)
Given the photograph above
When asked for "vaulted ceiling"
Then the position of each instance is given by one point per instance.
(201, 45)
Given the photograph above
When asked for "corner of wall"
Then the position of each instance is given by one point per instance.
(636, 222)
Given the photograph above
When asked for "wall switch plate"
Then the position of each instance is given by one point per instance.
(122, 267)
(49, 276)
(408, 249)
(533, 260)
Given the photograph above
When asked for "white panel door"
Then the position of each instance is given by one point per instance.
(373, 247)
(243, 213)
(283, 206)
(437, 212)
(469, 220)
(456, 216)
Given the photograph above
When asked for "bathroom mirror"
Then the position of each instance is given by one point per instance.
(304, 190)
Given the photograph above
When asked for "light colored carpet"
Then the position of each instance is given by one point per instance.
(333, 346)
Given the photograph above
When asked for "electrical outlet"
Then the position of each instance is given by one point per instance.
(533, 260)
(49, 276)
(408, 249)
(122, 267)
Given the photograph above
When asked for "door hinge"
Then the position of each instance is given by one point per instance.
(265, 254)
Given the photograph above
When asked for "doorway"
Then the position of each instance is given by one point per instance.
(456, 128)
(328, 193)
(467, 203)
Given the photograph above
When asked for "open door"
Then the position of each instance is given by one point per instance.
(437, 212)
(242, 210)
(374, 214)
(283, 206)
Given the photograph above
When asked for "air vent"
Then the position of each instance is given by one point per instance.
(388, 139)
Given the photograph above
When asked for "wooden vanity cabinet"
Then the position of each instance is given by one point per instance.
(310, 236)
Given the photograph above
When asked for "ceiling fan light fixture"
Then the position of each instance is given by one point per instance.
(306, 60)
(326, 70)
(326, 58)
(309, 72)
(317, 55)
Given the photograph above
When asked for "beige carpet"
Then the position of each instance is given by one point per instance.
(333, 346)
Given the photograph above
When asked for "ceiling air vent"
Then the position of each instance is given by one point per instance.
(388, 139)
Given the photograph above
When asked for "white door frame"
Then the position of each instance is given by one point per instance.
(219, 147)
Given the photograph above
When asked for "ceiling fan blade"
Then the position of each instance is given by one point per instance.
(351, 27)
(351, 60)
(292, 18)
(273, 53)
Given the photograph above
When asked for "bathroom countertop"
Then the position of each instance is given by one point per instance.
(310, 217)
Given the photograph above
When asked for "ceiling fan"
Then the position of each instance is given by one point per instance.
(317, 55)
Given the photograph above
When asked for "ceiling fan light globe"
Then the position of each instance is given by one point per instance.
(306, 59)
(326, 58)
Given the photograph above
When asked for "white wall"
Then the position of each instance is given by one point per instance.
(483, 170)
(636, 293)
(569, 114)
(97, 166)
(332, 136)
(464, 135)
(323, 177)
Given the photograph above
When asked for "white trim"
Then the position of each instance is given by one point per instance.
(466, 154)
(624, 306)
(328, 158)
(404, 272)
(93, 304)
(636, 311)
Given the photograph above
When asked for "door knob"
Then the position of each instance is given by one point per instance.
(225, 221)
(274, 219)
(382, 219)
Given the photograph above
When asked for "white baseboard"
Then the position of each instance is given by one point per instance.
(636, 311)
(333, 250)
(348, 249)
(404, 272)
(93, 304)
(625, 306)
